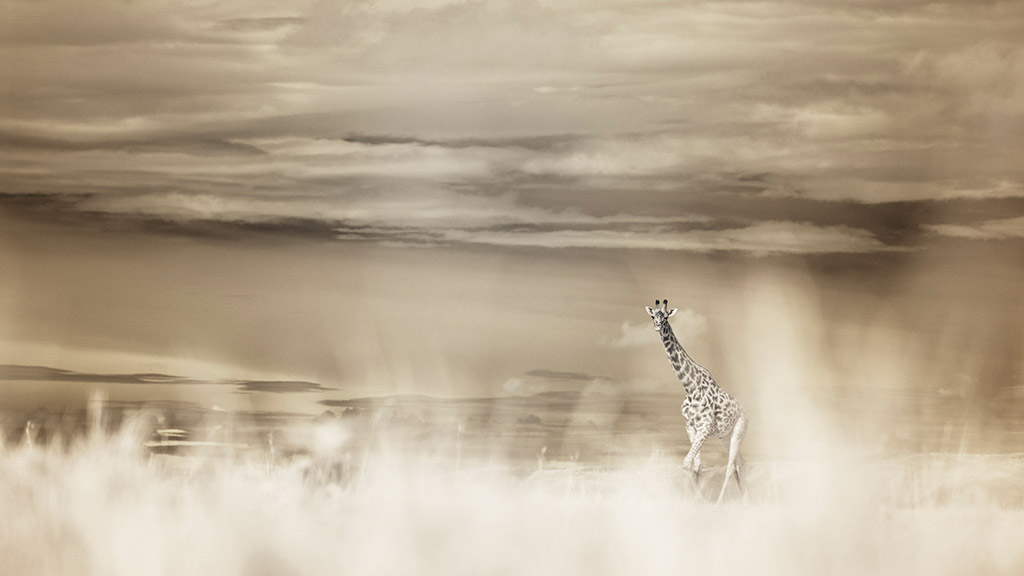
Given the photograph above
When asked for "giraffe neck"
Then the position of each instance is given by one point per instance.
(681, 362)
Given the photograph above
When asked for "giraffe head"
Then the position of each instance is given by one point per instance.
(660, 314)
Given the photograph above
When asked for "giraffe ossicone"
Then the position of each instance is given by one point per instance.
(708, 410)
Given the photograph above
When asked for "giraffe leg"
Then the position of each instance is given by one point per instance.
(738, 431)
(740, 463)
(692, 460)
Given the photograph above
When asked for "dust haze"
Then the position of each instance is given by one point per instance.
(359, 286)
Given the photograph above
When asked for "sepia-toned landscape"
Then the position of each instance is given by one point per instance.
(359, 286)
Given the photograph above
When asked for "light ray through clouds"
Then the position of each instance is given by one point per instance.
(860, 137)
(359, 285)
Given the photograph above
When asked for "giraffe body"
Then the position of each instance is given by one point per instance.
(708, 410)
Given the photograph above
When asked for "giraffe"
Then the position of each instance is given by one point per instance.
(707, 409)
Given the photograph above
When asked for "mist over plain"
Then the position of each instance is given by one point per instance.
(357, 286)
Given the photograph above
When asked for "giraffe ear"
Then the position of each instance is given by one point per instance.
(671, 312)
(650, 310)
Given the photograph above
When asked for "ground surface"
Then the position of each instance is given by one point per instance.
(107, 505)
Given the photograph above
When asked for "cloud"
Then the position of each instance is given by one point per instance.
(514, 386)
(687, 324)
(997, 229)
(988, 75)
(618, 156)
(861, 190)
(191, 146)
(15, 372)
(827, 120)
(985, 190)
(73, 24)
(261, 24)
(250, 112)
(43, 373)
(279, 387)
(558, 375)
(539, 381)
(760, 239)
(412, 211)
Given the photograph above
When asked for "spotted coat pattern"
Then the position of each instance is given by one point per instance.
(708, 410)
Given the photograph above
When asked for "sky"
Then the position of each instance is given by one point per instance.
(266, 205)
